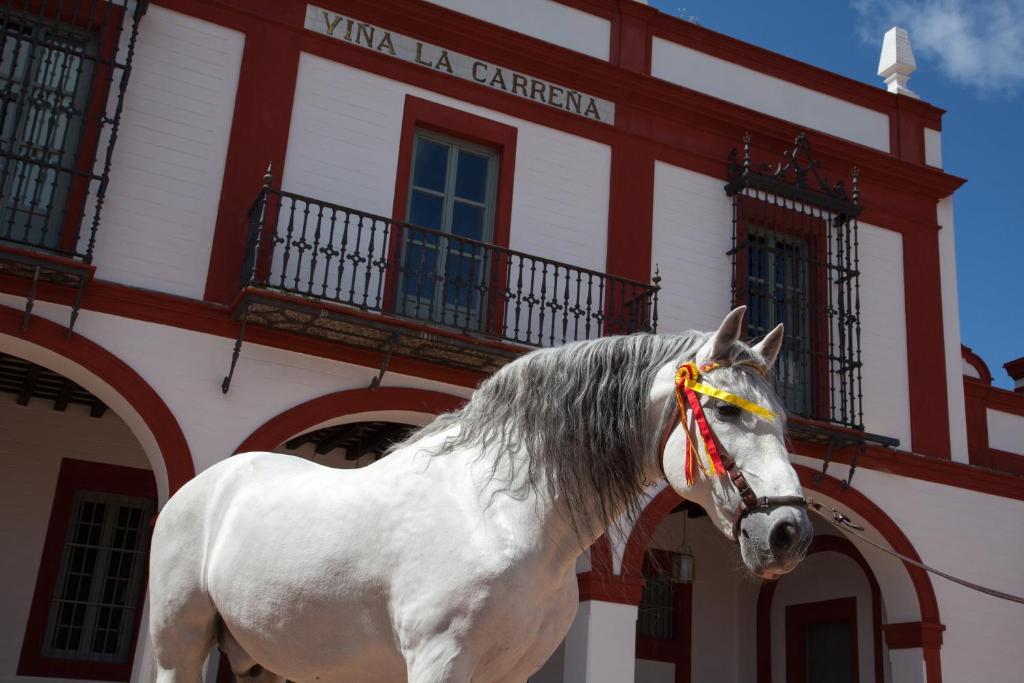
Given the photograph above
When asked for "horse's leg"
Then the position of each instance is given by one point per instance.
(183, 631)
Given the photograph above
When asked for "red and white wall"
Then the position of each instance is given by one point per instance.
(221, 89)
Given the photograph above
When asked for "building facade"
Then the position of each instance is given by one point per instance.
(233, 225)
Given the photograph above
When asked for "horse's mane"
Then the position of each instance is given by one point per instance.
(574, 416)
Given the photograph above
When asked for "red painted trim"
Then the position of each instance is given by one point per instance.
(259, 130)
(838, 544)
(1015, 369)
(676, 650)
(975, 361)
(800, 616)
(77, 475)
(913, 634)
(123, 379)
(630, 209)
(926, 365)
(305, 416)
(622, 590)
(423, 114)
(979, 398)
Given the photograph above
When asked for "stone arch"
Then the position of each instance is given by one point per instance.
(324, 409)
(114, 382)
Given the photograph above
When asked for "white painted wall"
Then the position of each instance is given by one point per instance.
(969, 370)
(600, 644)
(34, 440)
(885, 378)
(158, 218)
(692, 231)
(544, 19)
(343, 149)
(773, 96)
(951, 330)
(933, 147)
(1005, 431)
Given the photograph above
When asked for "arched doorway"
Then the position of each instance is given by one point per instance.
(905, 595)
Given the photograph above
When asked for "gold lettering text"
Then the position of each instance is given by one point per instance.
(555, 95)
(364, 35)
(519, 83)
(478, 68)
(443, 63)
(499, 80)
(331, 25)
(419, 55)
(573, 101)
(537, 91)
(386, 44)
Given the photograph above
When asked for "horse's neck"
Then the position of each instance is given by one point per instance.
(541, 519)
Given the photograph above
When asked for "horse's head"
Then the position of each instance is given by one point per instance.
(734, 463)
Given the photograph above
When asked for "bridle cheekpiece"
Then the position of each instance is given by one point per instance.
(688, 385)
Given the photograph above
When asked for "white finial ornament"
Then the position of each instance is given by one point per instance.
(897, 61)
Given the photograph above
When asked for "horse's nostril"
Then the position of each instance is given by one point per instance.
(783, 537)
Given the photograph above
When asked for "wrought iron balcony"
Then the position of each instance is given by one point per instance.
(341, 274)
(63, 73)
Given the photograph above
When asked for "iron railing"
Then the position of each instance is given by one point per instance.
(795, 261)
(313, 249)
(64, 68)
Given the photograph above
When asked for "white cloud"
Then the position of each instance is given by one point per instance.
(979, 43)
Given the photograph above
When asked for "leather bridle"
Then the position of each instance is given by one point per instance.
(749, 500)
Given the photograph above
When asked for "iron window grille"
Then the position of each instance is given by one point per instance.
(334, 254)
(64, 68)
(795, 261)
(99, 584)
(656, 615)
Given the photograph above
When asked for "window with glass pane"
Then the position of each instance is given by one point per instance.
(828, 652)
(45, 75)
(656, 614)
(452, 194)
(778, 292)
(99, 585)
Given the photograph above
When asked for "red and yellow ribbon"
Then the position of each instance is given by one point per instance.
(687, 388)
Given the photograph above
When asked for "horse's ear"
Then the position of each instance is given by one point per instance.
(768, 348)
(728, 334)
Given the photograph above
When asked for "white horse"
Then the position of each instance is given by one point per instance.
(453, 559)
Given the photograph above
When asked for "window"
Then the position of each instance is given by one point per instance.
(88, 596)
(451, 192)
(821, 642)
(98, 587)
(663, 617)
(795, 257)
(45, 76)
(779, 291)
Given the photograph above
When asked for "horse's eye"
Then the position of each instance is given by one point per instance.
(728, 411)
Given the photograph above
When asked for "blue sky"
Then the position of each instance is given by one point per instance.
(970, 62)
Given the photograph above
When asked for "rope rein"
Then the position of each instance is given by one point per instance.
(846, 525)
